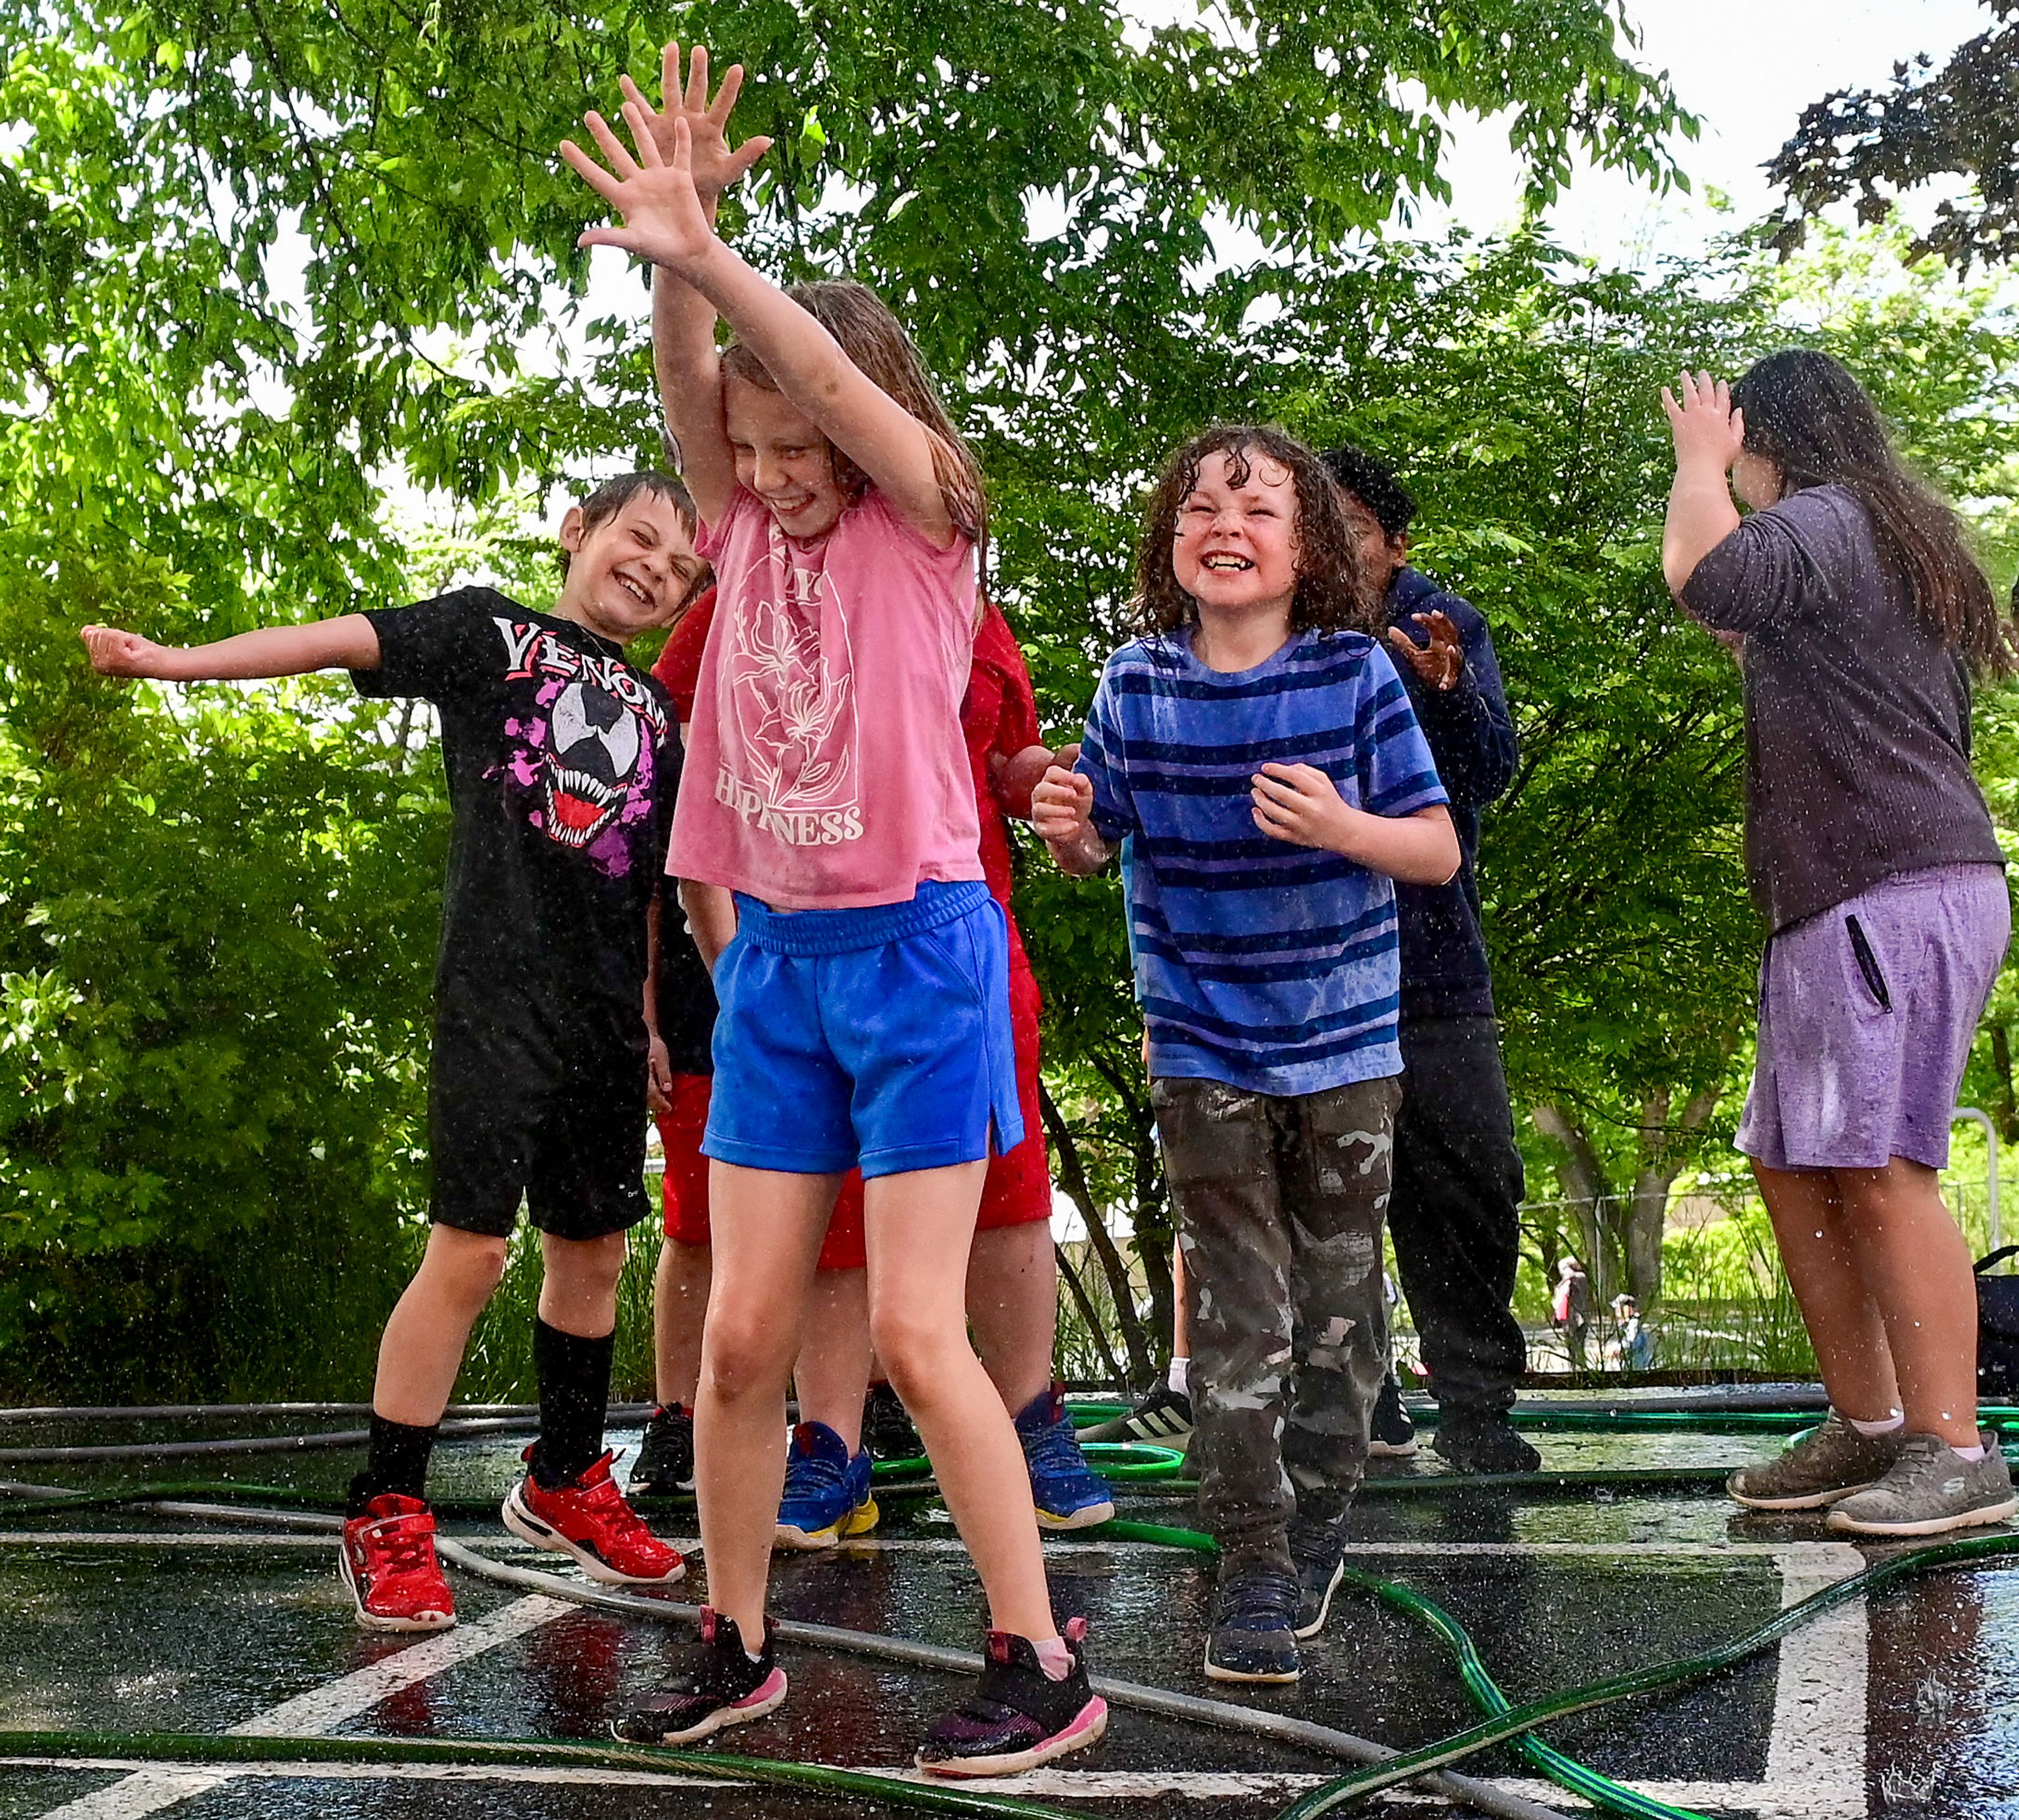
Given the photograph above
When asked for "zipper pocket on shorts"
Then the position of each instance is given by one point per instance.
(1868, 963)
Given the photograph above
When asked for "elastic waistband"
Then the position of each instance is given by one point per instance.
(815, 932)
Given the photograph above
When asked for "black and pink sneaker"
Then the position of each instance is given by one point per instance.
(1017, 1717)
(720, 1686)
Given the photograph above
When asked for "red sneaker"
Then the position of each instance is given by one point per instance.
(388, 1562)
(587, 1518)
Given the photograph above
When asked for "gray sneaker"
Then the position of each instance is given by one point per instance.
(1827, 1463)
(1930, 1491)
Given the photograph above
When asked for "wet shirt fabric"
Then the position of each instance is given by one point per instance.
(1267, 966)
(1471, 736)
(1856, 715)
(829, 769)
(563, 762)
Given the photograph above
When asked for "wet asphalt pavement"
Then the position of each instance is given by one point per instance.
(129, 1623)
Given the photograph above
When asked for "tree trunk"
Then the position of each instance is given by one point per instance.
(1582, 1178)
(1142, 1367)
(2008, 1104)
(1082, 1301)
(1647, 1213)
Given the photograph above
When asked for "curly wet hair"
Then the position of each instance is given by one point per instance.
(1332, 595)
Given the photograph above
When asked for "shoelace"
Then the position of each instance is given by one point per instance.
(609, 1506)
(1052, 1448)
(809, 1475)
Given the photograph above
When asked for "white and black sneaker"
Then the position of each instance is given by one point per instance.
(1391, 1434)
(1163, 1418)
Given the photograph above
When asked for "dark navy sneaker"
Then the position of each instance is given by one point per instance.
(1483, 1441)
(1254, 1626)
(1067, 1492)
(827, 1493)
(1163, 1418)
(720, 1686)
(1319, 1550)
(665, 1462)
(1391, 1434)
(887, 1431)
(1017, 1716)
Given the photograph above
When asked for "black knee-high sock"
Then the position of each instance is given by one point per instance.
(575, 1389)
(398, 1462)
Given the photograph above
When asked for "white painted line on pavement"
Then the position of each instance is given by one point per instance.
(320, 1709)
(1819, 1696)
(1772, 1801)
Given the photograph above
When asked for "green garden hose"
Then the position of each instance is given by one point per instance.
(1565, 1771)
(230, 1747)
(1516, 1721)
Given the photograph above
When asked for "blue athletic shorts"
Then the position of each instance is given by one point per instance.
(878, 1037)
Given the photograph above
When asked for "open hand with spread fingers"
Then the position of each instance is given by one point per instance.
(1442, 661)
(665, 220)
(715, 166)
(1707, 429)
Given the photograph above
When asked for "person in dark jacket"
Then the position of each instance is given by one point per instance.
(1457, 1177)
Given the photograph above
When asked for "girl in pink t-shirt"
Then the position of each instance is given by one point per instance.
(863, 970)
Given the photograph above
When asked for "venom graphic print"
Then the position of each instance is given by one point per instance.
(585, 754)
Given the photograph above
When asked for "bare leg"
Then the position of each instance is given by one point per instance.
(579, 1283)
(423, 1347)
(832, 1374)
(1013, 1302)
(920, 1227)
(1817, 1251)
(1917, 1270)
(1181, 1321)
(767, 1229)
(680, 1303)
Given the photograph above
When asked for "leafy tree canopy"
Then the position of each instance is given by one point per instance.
(1961, 120)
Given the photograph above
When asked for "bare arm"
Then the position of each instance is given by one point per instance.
(1300, 803)
(658, 1065)
(711, 914)
(683, 352)
(345, 643)
(664, 221)
(1062, 813)
(1709, 435)
(1013, 778)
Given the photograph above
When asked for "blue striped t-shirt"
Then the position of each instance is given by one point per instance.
(1269, 965)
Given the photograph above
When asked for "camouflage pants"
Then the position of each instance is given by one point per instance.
(1278, 1204)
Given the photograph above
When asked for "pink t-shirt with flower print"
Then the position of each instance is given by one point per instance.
(826, 767)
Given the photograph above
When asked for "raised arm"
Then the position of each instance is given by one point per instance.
(1709, 435)
(345, 643)
(665, 221)
(683, 352)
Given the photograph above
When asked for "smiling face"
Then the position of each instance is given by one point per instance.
(782, 459)
(1234, 549)
(630, 571)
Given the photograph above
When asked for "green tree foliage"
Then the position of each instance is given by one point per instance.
(1961, 120)
(266, 259)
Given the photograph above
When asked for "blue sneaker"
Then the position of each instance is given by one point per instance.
(1254, 1626)
(1069, 1493)
(827, 1493)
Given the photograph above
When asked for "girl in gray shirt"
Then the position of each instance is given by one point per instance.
(1858, 615)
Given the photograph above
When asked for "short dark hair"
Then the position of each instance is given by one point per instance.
(1372, 482)
(607, 500)
(613, 496)
(1330, 596)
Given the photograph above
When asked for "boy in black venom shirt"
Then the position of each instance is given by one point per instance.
(563, 762)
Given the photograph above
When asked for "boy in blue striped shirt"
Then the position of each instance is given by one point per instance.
(1259, 748)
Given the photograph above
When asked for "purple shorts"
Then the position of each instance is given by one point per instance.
(1866, 1014)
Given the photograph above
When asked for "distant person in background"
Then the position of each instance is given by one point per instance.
(1571, 1309)
(1872, 859)
(1454, 1214)
(1637, 1344)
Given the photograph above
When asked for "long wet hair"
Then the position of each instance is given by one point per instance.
(1808, 415)
(875, 340)
(1332, 595)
